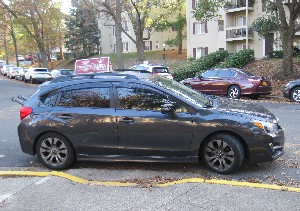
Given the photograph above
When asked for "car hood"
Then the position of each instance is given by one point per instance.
(245, 110)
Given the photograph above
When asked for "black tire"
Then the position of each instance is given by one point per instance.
(295, 94)
(189, 85)
(222, 153)
(31, 80)
(234, 92)
(55, 151)
(25, 81)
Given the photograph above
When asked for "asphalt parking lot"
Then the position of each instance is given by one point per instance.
(27, 185)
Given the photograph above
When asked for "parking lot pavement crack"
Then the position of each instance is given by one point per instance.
(175, 198)
(5, 199)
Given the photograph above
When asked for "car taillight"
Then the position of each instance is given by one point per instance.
(255, 81)
(24, 112)
(155, 73)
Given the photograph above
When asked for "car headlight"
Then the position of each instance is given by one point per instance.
(268, 127)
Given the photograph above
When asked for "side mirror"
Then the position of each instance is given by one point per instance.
(167, 108)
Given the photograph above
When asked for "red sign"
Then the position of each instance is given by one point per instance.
(93, 65)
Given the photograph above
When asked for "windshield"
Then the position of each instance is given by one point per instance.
(182, 91)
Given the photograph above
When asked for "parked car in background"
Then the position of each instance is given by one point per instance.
(292, 90)
(2, 63)
(59, 72)
(119, 117)
(232, 82)
(13, 71)
(20, 74)
(36, 74)
(5, 69)
(52, 58)
(29, 57)
(21, 58)
(155, 69)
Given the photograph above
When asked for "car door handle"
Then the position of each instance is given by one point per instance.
(65, 116)
(127, 120)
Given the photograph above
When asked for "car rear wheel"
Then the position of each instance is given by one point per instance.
(295, 94)
(222, 153)
(234, 92)
(55, 151)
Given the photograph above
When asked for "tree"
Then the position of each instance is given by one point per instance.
(282, 16)
(34, 17)
(83, 32)
(142, 15)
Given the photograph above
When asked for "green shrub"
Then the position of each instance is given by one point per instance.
(238, 59)
(275, 54)
(200, 65)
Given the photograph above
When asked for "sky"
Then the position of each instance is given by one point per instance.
(66, 5)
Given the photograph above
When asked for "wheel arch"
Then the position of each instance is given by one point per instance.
(292, 89)
(45, 132)
(240, 138)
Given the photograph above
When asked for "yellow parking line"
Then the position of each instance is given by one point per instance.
(128, 184)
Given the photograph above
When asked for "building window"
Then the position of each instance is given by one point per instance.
(200, 52)
(241, 47)
(148, 45)
(126, 25)
(240, 21)
(157, 45)
(125, 46)
(200, 28)
(220, 25)
(264, 5)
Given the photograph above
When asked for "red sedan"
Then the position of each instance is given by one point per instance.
(232, 82)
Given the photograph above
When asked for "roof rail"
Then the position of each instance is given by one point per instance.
(107, 75)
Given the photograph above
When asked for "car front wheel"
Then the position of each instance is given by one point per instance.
(234, 92)
(222, 153)
(295, 96)
(55, 151)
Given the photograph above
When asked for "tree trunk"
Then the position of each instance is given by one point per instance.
(180, 38)
(140, 47)
(119, 44)
(287, 63)
(15, 46)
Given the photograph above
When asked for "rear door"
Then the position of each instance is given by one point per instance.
(85, 115)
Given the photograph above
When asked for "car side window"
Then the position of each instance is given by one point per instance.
(146, 99)
(210, 74)
(226, 74)
(87, 97)
(49, 99)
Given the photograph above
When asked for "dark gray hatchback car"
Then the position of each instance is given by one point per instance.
(119, 117)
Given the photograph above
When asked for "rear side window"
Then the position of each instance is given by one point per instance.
(49, 99)
(87, 97)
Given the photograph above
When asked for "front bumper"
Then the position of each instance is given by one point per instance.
(270, 147)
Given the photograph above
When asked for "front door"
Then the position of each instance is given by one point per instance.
(145, 131)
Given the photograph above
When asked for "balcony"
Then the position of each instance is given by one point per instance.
(238, 33)
(238, 5)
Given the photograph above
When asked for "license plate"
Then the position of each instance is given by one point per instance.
(264, 83)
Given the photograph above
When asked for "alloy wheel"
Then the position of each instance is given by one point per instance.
(296, 94)
(53, 151)
(219, 155)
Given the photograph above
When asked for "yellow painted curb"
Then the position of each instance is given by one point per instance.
(128, 184)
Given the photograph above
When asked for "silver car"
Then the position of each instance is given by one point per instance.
(13, 71)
